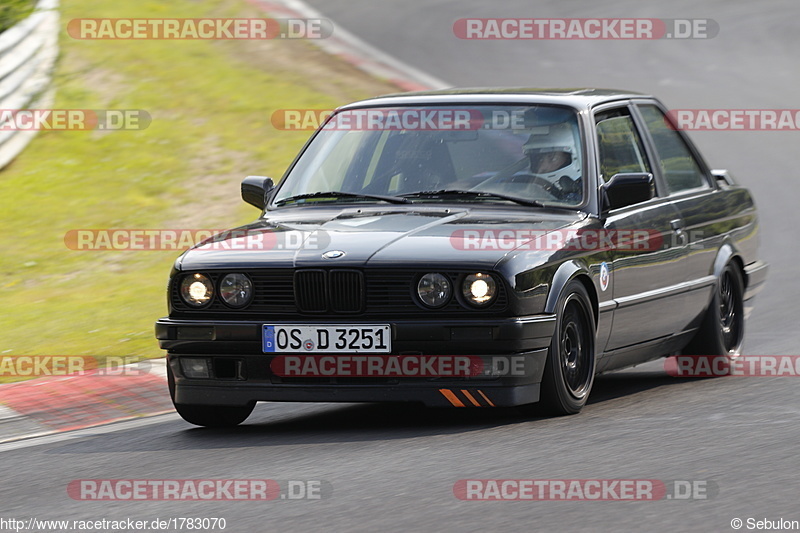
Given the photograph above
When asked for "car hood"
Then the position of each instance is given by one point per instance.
(357, 237)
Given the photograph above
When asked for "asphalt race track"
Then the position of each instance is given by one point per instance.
(389, 468)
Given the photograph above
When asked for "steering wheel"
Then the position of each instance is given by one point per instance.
(548, 187)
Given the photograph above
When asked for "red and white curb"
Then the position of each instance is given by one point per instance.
(355, 51)
(63, 403)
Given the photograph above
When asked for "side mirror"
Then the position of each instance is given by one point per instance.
(256, 190)
(626, 189)
(723, 177)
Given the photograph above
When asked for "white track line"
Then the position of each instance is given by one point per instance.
(113, 427)
(344, 42)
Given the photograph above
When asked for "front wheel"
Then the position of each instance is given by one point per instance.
(570, 367)
(213, 416)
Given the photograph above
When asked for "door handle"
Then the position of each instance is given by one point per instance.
(677, 226)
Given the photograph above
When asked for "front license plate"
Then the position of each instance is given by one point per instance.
(304, 338)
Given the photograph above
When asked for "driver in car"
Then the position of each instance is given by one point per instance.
(553, 158)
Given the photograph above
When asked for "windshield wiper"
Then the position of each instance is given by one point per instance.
(471, 194)
(342, 194)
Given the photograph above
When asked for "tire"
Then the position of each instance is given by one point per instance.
(722, 330)
(570, 367)
(213, 416)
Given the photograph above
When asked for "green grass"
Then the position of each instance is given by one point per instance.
(12, 11)
(210, 127)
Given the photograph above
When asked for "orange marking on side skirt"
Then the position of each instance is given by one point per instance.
(470, 398)
(452, 398)
(485, 398)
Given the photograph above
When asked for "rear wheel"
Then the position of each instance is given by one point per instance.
(569, 371)
(214, 416)
(722, 331)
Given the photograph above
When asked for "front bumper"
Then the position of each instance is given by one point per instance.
(240, 373)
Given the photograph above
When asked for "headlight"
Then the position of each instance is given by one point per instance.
(197, 290)
(479, 289)
(236, 290)
(434, 290)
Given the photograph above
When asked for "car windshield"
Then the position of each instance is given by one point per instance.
(529, 155)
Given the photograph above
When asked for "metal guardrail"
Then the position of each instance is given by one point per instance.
(28, 51)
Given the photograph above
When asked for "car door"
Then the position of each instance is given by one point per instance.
(704, 213)
(645, 281)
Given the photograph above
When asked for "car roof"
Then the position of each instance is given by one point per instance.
(580, 98)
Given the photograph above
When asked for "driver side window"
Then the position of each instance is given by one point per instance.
(620, 146)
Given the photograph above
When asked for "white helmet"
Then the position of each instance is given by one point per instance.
(557, 138)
